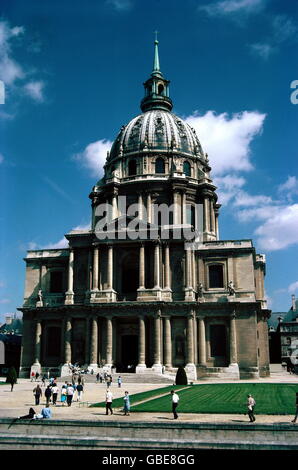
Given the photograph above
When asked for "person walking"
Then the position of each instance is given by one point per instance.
(119, 380)
(43, 380)
(296, 415)
(48, 394)
(63, 394)
(175, 401)
(109, 400)
(69, 394)
(250, 408)
(55, 391)
(80, 390)
(37, 392)
(126, 407)
(109, 381)
(32, 376)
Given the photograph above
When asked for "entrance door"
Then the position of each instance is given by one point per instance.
(218, 344)
(129, 353)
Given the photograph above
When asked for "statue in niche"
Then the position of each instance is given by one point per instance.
(40, 299)
(200, 290)
(231, 288)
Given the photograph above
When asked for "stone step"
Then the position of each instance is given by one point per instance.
(126, 378)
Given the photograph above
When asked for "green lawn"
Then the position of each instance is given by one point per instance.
(275, 399)
(118, 402)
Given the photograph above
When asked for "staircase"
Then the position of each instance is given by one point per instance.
(126, 378)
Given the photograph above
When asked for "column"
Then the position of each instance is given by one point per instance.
(216, 226)
(110, 266)
(94, 343)
(202, 342)
(156, 266)
(189, 338)
(69, 294)
(157, 364)
(176, 208)
(206, 214)
(183, 208)
(142, 267)
(140, 206)
(194, 271)
(87, 344)
(37, 343)
(188, 268)
(168, 342)
(67, 341)
(233, 340)
(213, 228)
(109, 349)
(142, 343)
(149, 208)
(95, 269)
(167, 267)
(114, 207)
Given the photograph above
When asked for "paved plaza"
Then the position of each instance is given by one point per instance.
(18, 402)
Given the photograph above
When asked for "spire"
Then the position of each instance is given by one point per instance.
(156, 87)
(156, 67)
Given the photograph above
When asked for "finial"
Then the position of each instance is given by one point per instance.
(156, 67)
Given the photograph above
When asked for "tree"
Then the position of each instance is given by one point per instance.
(181, 377)
(11, 377)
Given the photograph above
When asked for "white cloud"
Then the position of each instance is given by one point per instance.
(63, 243)
(5, 301)
(293, 287)
(257, 213)
(120, 5)
(12, 73)
(289, 188)
(245, 199)
(227, 7)
(228, 186)
(10, 70)
(227, 138)
(263, 50)
(35, 90)
(280, 230)
(94, 156)
(1, 158)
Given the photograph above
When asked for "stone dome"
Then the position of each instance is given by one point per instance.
(156, 130)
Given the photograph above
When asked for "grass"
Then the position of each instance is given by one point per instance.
(273, 399)
(118, 402)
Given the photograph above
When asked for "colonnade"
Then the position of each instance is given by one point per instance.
(195, 352)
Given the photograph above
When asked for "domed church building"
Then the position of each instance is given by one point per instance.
(150, 287)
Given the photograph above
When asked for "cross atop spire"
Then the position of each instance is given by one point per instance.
(156, 67)
(156, 87)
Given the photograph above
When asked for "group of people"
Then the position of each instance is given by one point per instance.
(107, 379)
(109, 401)
(51, 393)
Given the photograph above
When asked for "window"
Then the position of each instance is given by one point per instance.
(56, 282)
(132, 168)
(159, 165)
(190, 215)
(186, 168)
(160, 89)
(216, 275)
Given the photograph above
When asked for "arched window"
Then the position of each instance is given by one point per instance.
(132, 168)
(186, 168)
(160, 89)
(159, 165)
(216, 275)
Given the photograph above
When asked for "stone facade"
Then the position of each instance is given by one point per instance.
(132, 292)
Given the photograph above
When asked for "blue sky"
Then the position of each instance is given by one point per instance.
(73, 74)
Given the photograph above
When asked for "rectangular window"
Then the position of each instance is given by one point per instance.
(56, 282)
(216, 275)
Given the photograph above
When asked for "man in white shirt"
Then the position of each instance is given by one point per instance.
(250, 408)
(109, 399)
(175, 400)
(69, 394)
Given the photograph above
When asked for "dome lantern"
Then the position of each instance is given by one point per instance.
(156, 88)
